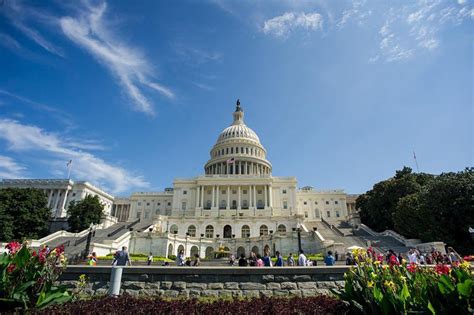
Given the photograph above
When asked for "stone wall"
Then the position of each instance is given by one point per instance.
(212, 281)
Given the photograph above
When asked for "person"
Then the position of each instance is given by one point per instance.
(122, 258)
(47, 250)
(243, 261)
(166, 264)
(302, 260)
(259, 262)
(349, 259)
(188, 261)
(412, 259)
(336, 255)
(196, 261)
(252, 259)
(267, 262)
(290, 260)
(180, 258)
(453, 258)
(329, 260)
(150, 259)
(92, 259)
(279, 261)
(232, 260)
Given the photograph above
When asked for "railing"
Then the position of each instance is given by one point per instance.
(116, 231)
(133, 223)
(81, 240)
(332, 227)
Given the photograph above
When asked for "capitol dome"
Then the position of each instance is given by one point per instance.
(238, 150)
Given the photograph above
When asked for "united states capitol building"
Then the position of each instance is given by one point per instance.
(236, 206)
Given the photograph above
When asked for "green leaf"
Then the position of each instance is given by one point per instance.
(431, 308)
(378, 295)
(465, 288)
(24, 286)
(405, 293)
(58, 295)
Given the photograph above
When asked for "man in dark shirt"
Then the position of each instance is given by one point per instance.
(243, 261)
(122, 258)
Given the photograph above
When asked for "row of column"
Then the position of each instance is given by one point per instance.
(57, 201)
(251, 192)
(238, 168)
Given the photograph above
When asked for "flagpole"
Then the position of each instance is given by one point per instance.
(69, 166)
(416, 162)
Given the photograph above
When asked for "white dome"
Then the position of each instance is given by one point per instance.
(238, 131)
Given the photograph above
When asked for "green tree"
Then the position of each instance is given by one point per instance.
(83, 213)
(23, 213)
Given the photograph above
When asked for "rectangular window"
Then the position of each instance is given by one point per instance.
(223, 192)
(305, 203)
(327, 202)
(231, 150)
(158, 204)
(259, 192)
(183, 205)
(284, 191)
(328, 213)
(244, 191)
(337, 214)
(169, 203)
(335, 202)
(234, 191)
(147, 203)
(139, 214)
(139, 203)
(315, 202)
(285, 205)
(185, 192)
(237, 150)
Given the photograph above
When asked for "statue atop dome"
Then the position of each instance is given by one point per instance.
(238, 108)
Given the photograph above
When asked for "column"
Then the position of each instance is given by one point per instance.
(228, 198)
(63, 205)
(233, 167)
(217, 196)
(197, 196)
(213, 195)
(255, 196)
(245, 168)
(265, 196)
(49, 198)
(201, 202)
(270, 195)
(239, 202)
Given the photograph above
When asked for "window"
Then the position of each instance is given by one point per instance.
(231, 150)
(284, 191)
(223, 204)
(285, 204)
(281, 229)
(244, 192)
(337, 213)
(305, 203)
(264, 230)
(169, 203)
(315, 202)
(259, 192)
(139, 203)
(226, 150)
(237, 150)
(158, 204)
(247, 150)
(327, 202)
(185, 192)
(73, 194)
(260, 204)
(192, 231)
(209, 231)
(147, 213)
(328, 213)
(208, 204)
(223, 192)
(234, 191)
(183, 205)
(147, 203)
(174, 229)
(139, 214)
(306, 214)
(245, 231)
(335, 202)
(245, 204)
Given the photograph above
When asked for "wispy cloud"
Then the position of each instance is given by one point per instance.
(194, 55)
(86, 165)
(356, 13)
(90, 31)
(283, 25)
(20, 17)
(9, 168)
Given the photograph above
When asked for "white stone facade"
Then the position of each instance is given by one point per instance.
(60, 193)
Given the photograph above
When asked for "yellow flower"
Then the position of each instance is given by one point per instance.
(403, 278)
(389, 284)
(465, 265)
(374, 275)
(370, 284)
(377, 262)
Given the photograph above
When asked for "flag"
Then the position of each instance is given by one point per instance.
(69, 163)
(414, 156)
(230, 161)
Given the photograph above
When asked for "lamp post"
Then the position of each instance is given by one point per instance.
(234, 249)
(248, 242)
(88, 243)
(200, 243)
(261, 242)
(175, 234)
(271, 242)
(298, 231)
(186, 244)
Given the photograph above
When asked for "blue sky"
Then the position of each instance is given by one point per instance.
(136, 92)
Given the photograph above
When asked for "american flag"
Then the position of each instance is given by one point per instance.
(69, 163)
(230, 161)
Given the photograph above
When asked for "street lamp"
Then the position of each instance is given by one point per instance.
(298, 231)
(261, 242)
(88, 243)
(271, 242)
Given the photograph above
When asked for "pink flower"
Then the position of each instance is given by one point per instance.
(442, 269)
(11, 268)
(411, 267)
(13, 247)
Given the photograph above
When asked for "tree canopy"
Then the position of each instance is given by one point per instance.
(23, 214)
(82, 213)
(424, 206)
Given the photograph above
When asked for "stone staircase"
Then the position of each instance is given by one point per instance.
(383, 243)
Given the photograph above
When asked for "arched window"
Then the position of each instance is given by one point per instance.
(209, 231)
(227, 231)
(174, 229)
(192, 230)
(245, 231)
(282, 229)
(194, 251)
(209, 252)
(264, 230)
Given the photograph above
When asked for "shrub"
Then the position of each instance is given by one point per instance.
(371, 287)
(28, 276)
(127, 304)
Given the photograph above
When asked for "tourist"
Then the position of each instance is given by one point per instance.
(412, 259)
(122, 258)
(267, 262)
(166, 264)
(349, 259)
(279, 261)
(252, 259)
(150, 259)
(453, 257)
(243, 261)
(422, 259)
(92, 259)
(302, 260)
(47, 249)
(232, 260)
(197, 260)
(259, 262)
(329, 260)
(290, 261)
(188, 261)
(336, 255)
(180, 258)
(400, 258)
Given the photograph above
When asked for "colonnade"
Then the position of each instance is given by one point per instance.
(248, 201)
(57, 201)
(238, 168)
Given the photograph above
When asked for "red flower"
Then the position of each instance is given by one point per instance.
(411, 267)
(442, 269)
(13, 247)
(393, 261)
(59, 250)
(34, 254)
(11, 268)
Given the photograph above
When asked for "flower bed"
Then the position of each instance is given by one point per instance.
(375, 288)
(127, 304)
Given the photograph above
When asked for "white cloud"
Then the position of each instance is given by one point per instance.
(127, 64)
(357, 13)
(9, 168)
(58, 150)
(283, 25)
